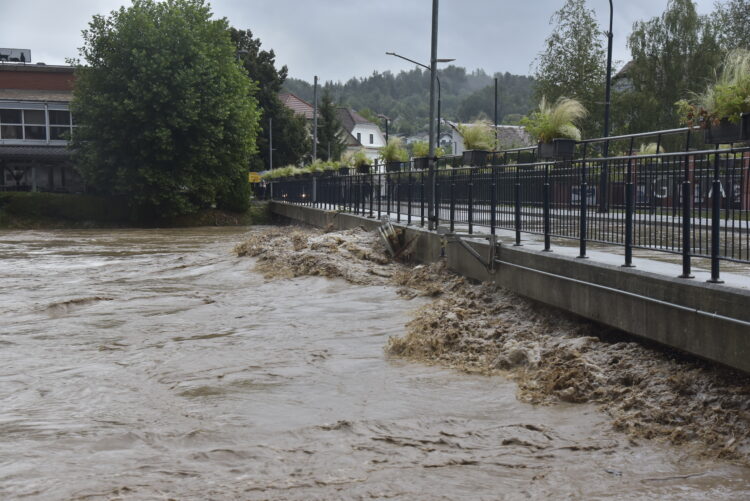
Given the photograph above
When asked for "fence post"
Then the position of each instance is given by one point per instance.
(452, 209)
(493, 201)
(517, 215)
(471, 200)
(380, 191)
(409, 186)
(715, 221)
(388, 189)
(629, 210)
(372, 190)
(397, 194)
(687, 203)
(421, 198)
(584, 188)
(545, 209)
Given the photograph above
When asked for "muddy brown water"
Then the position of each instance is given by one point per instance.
(153, 364)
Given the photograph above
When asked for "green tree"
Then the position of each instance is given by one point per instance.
(730, 23)
(329, 129)
(291, 140)
(165, 114)
(672, 55)
(573, 63)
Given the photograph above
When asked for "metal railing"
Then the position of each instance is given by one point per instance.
(692, 203)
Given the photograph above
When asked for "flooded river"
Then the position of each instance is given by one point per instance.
(152, 364)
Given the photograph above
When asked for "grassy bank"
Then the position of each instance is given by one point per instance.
(23, 210)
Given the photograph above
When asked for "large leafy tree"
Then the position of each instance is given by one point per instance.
(165, 114)
(573, 64)
(672, 55)
(731, 24)
(329, 130)
(291, 140)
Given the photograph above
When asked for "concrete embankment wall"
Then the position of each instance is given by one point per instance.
(708, 320)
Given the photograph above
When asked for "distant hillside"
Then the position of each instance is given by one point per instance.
(405, 97)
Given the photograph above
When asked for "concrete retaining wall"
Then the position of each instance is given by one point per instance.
(708, 320)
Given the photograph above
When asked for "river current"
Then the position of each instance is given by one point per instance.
(155, 364)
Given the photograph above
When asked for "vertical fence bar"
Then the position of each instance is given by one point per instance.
(410, 187)
(629, 210)
(493, 201)
(517, 212)
(380, 191)
(421, 198)
(470, 194)
(715, 221)
(545, 210)
(687, 202)
(583, 210)
(452, 210)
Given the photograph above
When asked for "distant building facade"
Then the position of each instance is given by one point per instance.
(509, 136)
(356, 131)
(35, 127)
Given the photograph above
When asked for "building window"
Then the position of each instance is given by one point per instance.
(59, 125)
(359, 137)
(372, 138)
(11, 124)
(32, 125)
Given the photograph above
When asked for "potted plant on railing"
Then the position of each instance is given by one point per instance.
(329, 168)
(420, 151)
(555, 129)
(317, 168)
(361, 162)
(479, 140)
(394, 154)
(723, 109)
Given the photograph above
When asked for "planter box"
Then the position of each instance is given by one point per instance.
(421, 163)
(363, 169)
(725, 132)
(558, 149)
(344, 171)
(475, 157)
(392, 166)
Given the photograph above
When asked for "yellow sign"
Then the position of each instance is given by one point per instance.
(253, 177)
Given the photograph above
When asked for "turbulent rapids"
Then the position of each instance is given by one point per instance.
(553, 356)
(286, 363)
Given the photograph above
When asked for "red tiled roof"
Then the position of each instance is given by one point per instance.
(298, 105)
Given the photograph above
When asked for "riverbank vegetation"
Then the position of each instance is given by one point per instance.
(26, 210)
(166, 116)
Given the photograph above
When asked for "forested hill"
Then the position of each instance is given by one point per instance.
(404, 97)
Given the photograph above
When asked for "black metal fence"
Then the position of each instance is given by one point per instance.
(693, 203)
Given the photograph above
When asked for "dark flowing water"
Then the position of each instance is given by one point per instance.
(151, 364)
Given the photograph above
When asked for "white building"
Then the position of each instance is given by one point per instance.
(509, 136)
(364, 134)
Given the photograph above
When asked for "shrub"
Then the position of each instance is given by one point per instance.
(555, 121)
(727, 98)
(394, 151)
(478, 136)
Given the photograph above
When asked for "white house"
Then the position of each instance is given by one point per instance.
(366, 134)
(509, 136)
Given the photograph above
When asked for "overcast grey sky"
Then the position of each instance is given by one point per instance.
(338, 39)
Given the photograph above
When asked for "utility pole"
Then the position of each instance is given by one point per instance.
(496, 112)
(270, 143)
(315, 120)
(431, 209)
(603, 188)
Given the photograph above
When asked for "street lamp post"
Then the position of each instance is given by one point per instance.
(385, 118)
(437, 80)
(603, 202)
